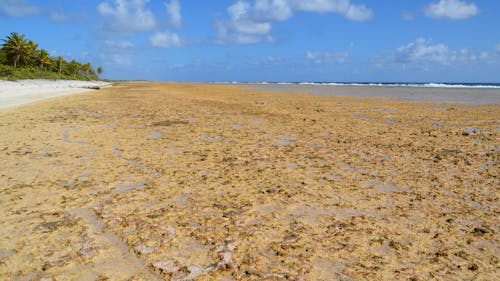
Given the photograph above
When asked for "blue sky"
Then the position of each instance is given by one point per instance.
(269, 40)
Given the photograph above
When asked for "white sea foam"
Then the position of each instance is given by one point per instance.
(416, 85)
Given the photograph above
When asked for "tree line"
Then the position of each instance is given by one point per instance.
(18, 52)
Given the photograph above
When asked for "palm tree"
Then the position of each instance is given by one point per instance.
(33, 53)
(43, 59)
(60, 63)
(46, 61)
(17, 48)
(73, 67)
(88, 71)
(19, 51)
(99, 70)
(3, 57)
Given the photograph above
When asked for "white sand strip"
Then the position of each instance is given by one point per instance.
(16, 93)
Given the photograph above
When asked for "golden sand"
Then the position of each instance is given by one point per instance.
(150, 181)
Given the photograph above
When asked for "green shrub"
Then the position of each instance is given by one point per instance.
(10, 73)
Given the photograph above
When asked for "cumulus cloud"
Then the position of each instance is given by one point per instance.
(273, 10)
(165, 40)
(174, 12)
(242, 28)
(58, 16)
(327, 57)
(407, 15)
(451, 9)
(117, 53)
(422, 53)
(23, 8)
(18, 8)
(343, 7)
(120, 44)
(126, 17)
(251, 23)
(358, 13)
(243, 22)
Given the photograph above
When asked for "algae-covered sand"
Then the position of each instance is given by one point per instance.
(150, 181)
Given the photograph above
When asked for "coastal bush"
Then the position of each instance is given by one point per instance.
(11, 73)
(20, 58)
(3, 58)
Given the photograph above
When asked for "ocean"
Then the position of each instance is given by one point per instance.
(386, 84)
(469, 93)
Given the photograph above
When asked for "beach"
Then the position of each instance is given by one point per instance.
(17, 93)
(159, 181)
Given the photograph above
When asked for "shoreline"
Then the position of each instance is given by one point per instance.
(23, 92)
(435, 95)
(378, 84)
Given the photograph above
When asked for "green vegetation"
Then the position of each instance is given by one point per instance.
(20, 58)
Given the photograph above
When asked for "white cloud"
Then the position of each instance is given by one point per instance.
(117, 53)
(359, 13)
(251, 23)
(451, 9)
(126, 17)
(465, 56)
(18, 8)
(120, 44)
(23, 8)
(226, 34)
(327, 57)
(275, 10)
(174, 12)
(343, 7)
(58, 16)
(165, 40)
(422, 53)
(242, 28)
(323, 6)
(407, 15)
(243, 22)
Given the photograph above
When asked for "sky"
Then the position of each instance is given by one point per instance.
(268, 40)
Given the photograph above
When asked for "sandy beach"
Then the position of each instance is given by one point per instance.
(150, 181)
(17, 93)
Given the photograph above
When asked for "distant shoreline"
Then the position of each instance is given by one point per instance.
(21, 92)
(438, 95)
(457, 85)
